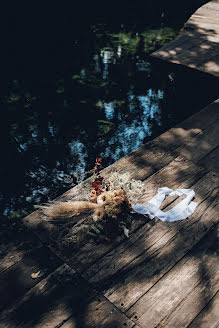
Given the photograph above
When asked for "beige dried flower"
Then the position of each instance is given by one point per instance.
(93, 196)
(98, 214)
(104, 198)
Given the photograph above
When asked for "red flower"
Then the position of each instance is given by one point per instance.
(99, 160)
(99, 179)
(96, 185)
(96, 170)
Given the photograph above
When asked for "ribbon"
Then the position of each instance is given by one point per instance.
(179, 212)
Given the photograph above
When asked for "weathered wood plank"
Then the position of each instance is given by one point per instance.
(206, 12)
(211, 160)
(50, 303)
(17, 280)
(63, 298)
(207, 16)
(15, 242)
(197, 299)
(186, 130)
(197, 54)
(187, 48)
(201, 145)
(202, 27)
(214, 5)
(191, 283)
(100, 313)
(138, 276)
(210, 65)
(181, 43)
(209, 316)
(178, 42)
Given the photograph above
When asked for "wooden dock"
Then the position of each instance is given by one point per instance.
(163, 275)
(197, 46)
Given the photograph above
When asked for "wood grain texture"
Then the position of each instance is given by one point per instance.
(145, 161)
(198, 41)
(160, 254)
(210, 161)
(209, 316)
(63, 299)
(100, 313)
(187, 288)
(211, 64)
(198, 51)
(15, 243)
(17, 280)
(202, 144)
(50, 303)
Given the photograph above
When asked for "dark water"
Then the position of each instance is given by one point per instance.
(110, 100)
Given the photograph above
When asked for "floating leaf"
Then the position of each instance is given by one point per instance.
(35, 275)
(105, 122)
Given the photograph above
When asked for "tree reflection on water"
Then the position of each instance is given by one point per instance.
(110, 101)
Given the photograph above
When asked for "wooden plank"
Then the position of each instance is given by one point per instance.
(206, 12)
(17, 280)
(211, 161)
(202, 16)
(214, 5)
(211, 68)
(99, 313)
(63, 298)
(210, 65)
(159, 255)
(202, 27)
(179, 42)
(187, 287)
(195, 55)
(196, 300)
(208, 7)
(180, 134)
(50, 303)
(176, 52)
(209, 316)
(15, 243)
(201, 145)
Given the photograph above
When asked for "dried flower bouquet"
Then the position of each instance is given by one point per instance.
(109, 203)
